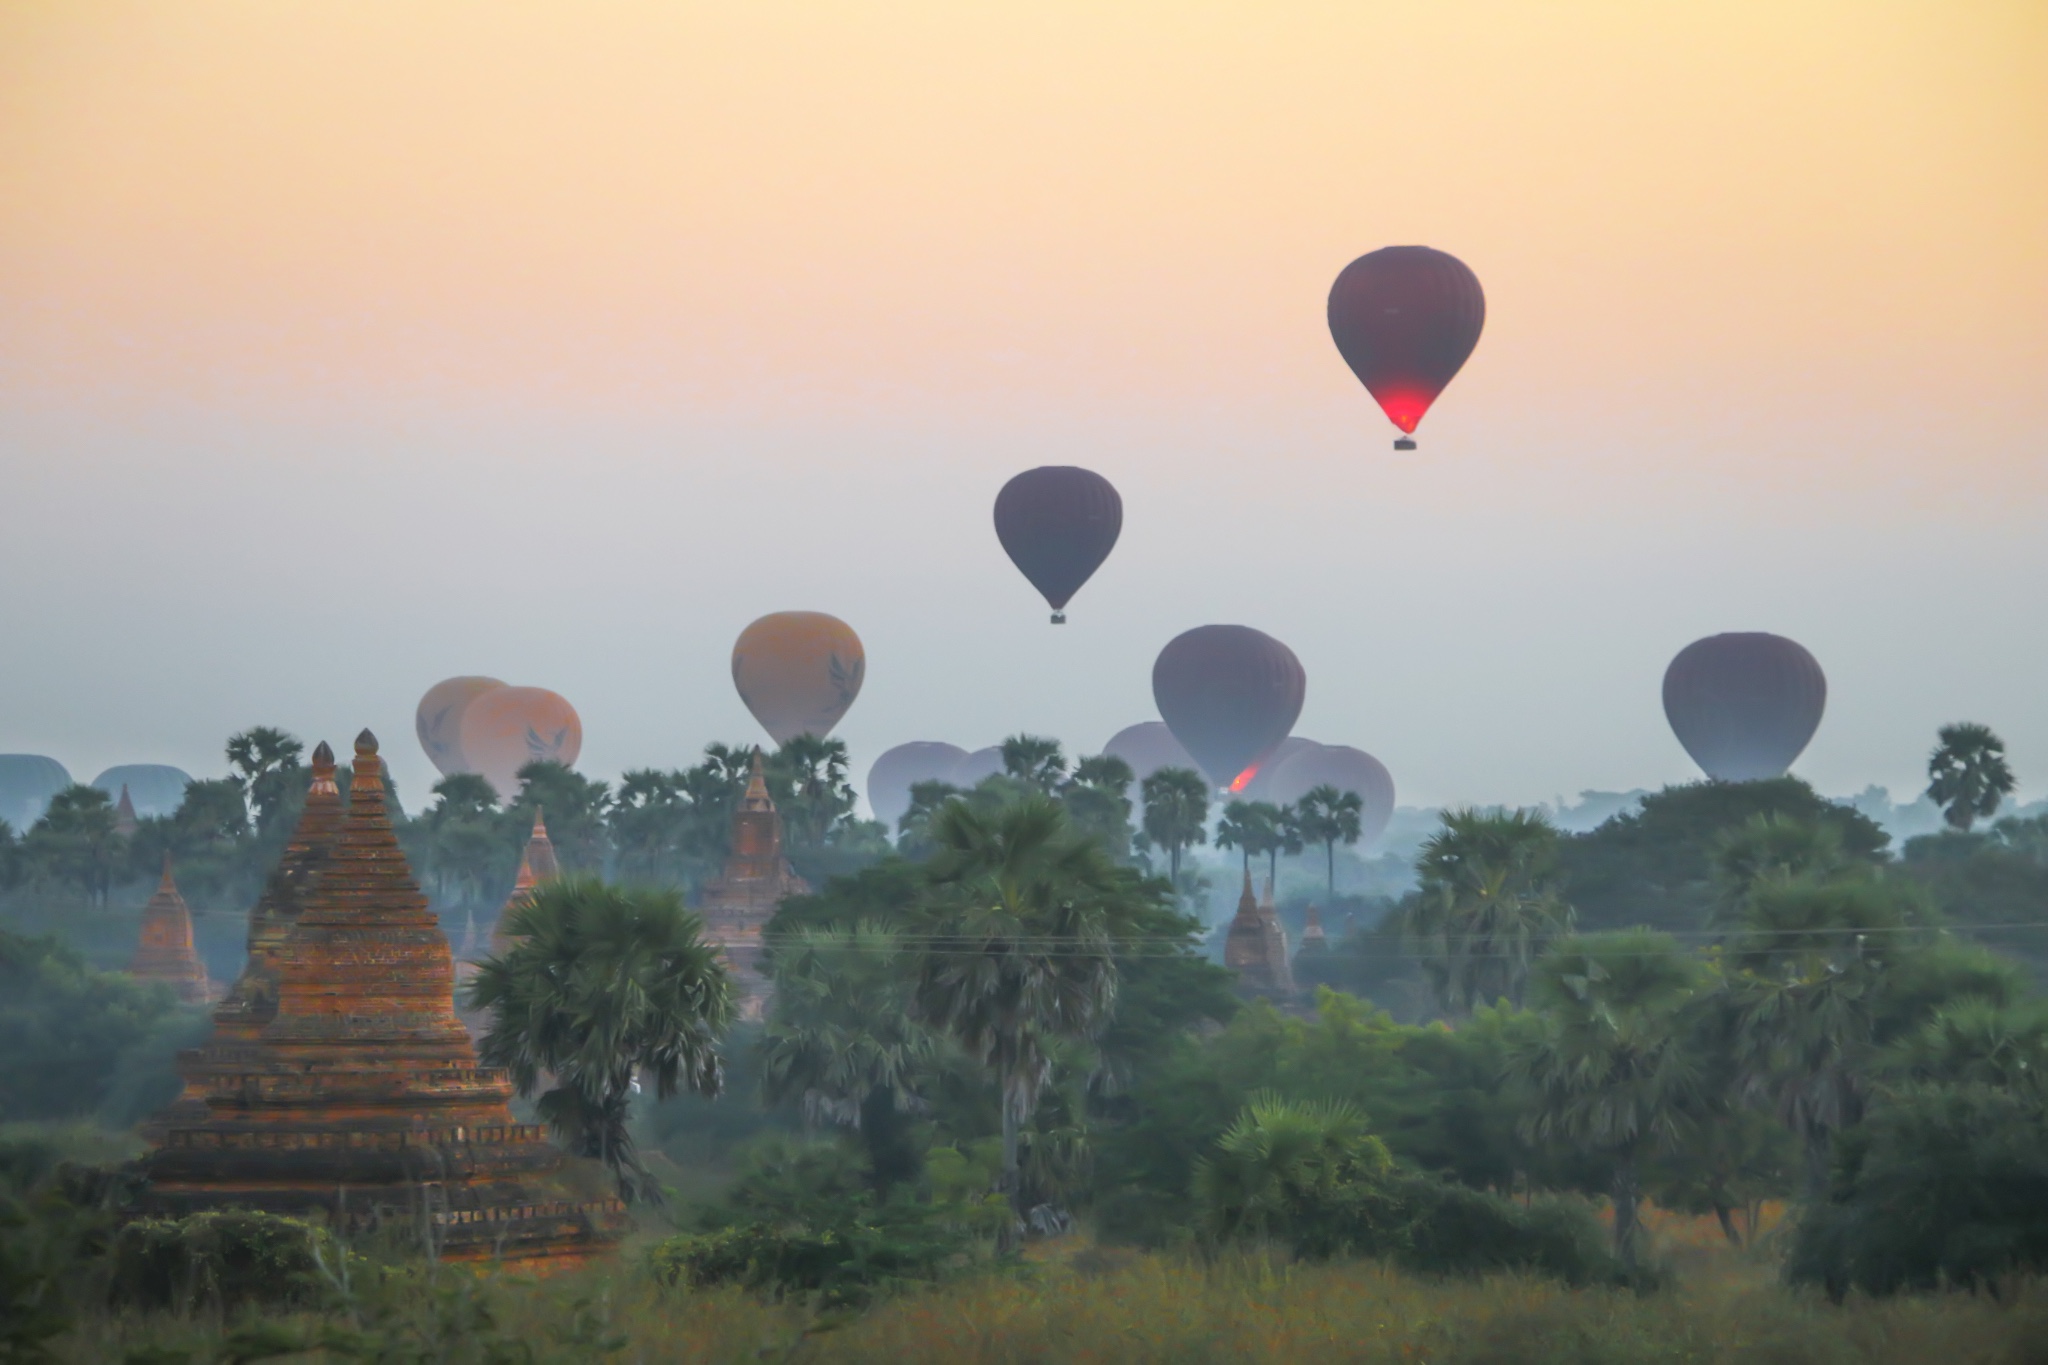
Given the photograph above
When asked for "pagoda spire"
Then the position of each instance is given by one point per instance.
(1256, 946)
(166, 952)
(125, 823)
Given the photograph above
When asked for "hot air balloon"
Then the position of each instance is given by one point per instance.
(1343, 767)
(506, 728)
(1058, 523)
(153, 788)
(798, 672)
(27, 782)
(1230, 694)
(1149, 746)
(438, 720)
(1262, 773)
(1745, 704)
(1405, 318)
(982, 763)
(903, 767)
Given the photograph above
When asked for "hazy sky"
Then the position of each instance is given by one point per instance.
(346, 347)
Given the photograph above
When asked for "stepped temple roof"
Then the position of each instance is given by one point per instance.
(339, 1078)
(756, 879)
(166, 953)
(1256, 947)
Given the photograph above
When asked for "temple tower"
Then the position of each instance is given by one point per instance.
(166, 952)
(537, 864)
(756, 879)
(125, 823)
(342, 1080)
(1256, 947)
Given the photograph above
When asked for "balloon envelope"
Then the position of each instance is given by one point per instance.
(1229, 694)
(1343, 767)
(798, 672)
(153, 788)
(978, 765)
(1744, 704)
(27, 782)
(1258, 785)
(1405, 318)
(438, 720)
(1149, 746)
(1058, 523)
(506, 728)
(901, 768)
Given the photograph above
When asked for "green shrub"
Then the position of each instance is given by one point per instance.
(225, 1258)
(1940, 1185)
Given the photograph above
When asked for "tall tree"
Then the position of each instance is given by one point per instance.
(1098, 801)
(913, 831)
(574, 807)
(1489, 895)
(1610, 1073)
(1176, 814)
(1259, 829)
(604, 988)
(1037, 762)
(807, 778)
(843, 1040)
(1329, 817)
(1967, 774)
(1016, 945)
(467, 852)
(76, 842)
(267, 760)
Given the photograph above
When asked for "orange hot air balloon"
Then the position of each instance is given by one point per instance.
(506, 728)
(439, 720)
(798, 672)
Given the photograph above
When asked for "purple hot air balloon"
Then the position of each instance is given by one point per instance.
(1058, 523)
(979, 764)
(1744, 704)
(1405, 319)
(1343, 767)
(1230, 694)
(897, 770)
(1256, 787)
(1149, 746)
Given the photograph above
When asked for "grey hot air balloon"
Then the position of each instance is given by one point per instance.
(897, 770)
(154, 789)
(1347, 769)
(1744, 704)
(27, 782)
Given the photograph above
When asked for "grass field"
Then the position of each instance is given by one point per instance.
(1075, 1302)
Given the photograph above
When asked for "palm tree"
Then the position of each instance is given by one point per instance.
(1037, 762)
(1807, 971)
(1282, 1162)
(604, 988)
(1772, 849)
(1259, 828)
(267, 759)
(807, 777)
(1968, 774)
(1610, 1073)
(1097, 798)
(1176, 814)
(1488, 895)
(1015, 948)
(1329, 817)
(842, 1039)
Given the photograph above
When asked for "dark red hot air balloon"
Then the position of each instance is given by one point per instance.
(1744, 704)
(1230, 694)
(1058, 523)
(1405, 319)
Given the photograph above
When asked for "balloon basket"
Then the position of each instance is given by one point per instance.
(1404, 443)
(1059, 618)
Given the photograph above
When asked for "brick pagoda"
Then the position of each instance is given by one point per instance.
(756, 879)
(166, 953)
(1256, 948)
(339, 1079)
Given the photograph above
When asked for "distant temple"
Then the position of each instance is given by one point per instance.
(339, 1079)
(1256, 948)
(166, 953)
(537, 864)
(125, 823)
(756, 879)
